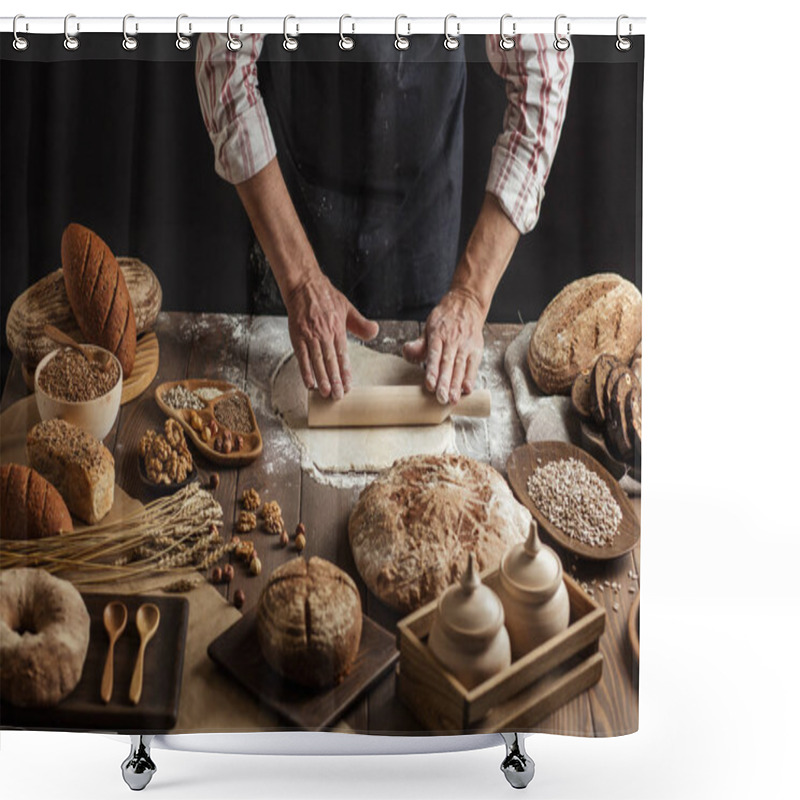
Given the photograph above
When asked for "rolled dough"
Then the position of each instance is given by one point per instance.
(356, 449)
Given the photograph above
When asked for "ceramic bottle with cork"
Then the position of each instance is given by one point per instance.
(533, 593)
(468, 635)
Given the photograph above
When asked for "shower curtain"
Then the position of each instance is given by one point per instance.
(260, 226)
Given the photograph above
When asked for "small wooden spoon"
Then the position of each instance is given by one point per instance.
(115, 618)
(104, 362)
(147, 618)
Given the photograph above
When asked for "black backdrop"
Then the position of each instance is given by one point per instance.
(115, 140)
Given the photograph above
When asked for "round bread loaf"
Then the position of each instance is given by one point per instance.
(413, 527)
(98, 294)
(30, 506)
(598, 314)
(309, 622)
(44, 636)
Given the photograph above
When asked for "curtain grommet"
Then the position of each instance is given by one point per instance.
(346, 43)
(290, 43)
(623, 44)
(234, 42)
(507, 42)
(20, 43)
(401, 42)
(451, 42)
(182, 42)
(560, 42)
(71, 43)
(129, 42)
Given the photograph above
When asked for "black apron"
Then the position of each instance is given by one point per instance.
(370, 143)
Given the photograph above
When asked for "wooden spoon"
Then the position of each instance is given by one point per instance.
(115, 618)
(104, 361)
(147, 618)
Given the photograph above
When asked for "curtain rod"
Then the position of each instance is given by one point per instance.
(333, 25)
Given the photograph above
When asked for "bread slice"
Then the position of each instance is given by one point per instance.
(30, 507)
(581, 389)
(98, 294)
(77, 464)
(633, 416)
(617, 434)
(604, 364)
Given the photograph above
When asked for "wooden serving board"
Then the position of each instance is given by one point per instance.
(83, 710)
(237, 651)
(593, 441)
(525, 459)
(253, 442)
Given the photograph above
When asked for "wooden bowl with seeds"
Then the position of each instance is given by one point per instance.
(227, 411)
(548, 477)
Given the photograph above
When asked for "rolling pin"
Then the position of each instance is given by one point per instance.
(378, 406)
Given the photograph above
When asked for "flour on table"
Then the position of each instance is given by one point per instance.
(356, 450)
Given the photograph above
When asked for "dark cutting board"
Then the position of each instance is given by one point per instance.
(237, 651)
(83, 710)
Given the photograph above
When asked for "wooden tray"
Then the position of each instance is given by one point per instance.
(83, 710)
(522, 463)
(633, 625)
(145, 368)
(237, 651)
(517, 698)
(253, 441)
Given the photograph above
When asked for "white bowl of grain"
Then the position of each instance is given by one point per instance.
(68, 387)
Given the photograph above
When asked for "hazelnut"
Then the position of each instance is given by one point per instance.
(216, 575)
(284, 540)
(213, 427)
(240, 443)
(255, 566)
(213, 481)
(227, 573)
(206, 435)
(300, 542)
(227, 446)
(235, 540)
(238, 598)
(300, 529)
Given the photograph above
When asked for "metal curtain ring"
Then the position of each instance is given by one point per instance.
(623, 44)
(561, 42)
(234, 42)
(71, 42)
(346, 42)
(129, 42)
(289, 43)
(182, 42)
(401, 42)
(506, 41)
(450, 42)
(20, 43)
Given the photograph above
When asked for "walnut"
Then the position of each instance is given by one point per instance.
(145, 442)
(246, 522)
(273, 521)
(174, 433)
(160, 448)
(251, 500)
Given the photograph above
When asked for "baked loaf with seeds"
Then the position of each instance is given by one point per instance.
(618, 438)
(413, 527)
(30, 506)
(598, 314)
(44, 636)
(308, 622)
(600, 371)
(77, 464)
(98, 294)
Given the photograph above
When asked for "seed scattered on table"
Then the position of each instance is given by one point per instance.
(576, 500)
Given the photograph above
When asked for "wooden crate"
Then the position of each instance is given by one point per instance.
(530, 689)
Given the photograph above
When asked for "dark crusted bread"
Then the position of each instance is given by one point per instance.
(580, 394)
(30, 506)
(633, 417)
(98, 294)
(602, 367)
(616, 423)
(309, 622)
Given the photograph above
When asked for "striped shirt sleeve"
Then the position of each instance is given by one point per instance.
(537, 78)
(232, 107)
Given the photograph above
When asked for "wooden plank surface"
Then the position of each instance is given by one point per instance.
(246, 352)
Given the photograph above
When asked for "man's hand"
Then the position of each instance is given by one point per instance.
(319, 318)
(451, 346)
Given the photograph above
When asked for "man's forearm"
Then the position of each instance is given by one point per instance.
(278, 228)
(488, 251)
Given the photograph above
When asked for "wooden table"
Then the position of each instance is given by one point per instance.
(245, 350)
